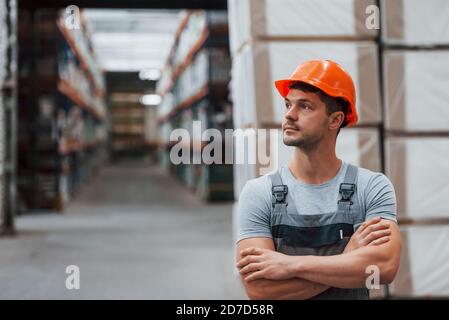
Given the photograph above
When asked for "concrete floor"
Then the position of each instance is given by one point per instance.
(135, 233)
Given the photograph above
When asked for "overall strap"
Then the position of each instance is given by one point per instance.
(347, 189)
(279, 193)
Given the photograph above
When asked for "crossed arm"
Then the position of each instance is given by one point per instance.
(267, 274)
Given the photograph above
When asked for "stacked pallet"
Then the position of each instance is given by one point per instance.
(194, 87)
(415, 69)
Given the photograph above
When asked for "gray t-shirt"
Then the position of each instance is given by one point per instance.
(376, 196)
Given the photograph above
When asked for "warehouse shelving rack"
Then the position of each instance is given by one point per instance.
(8, 126)
(51, 169)
(211, 182)
(127, 125)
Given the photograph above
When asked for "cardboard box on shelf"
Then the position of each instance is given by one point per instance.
(255, 98)
(297, 19)
(419, 171)
(423, 268)
(415, 22)
(416, 95)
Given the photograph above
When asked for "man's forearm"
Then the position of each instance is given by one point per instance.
(346, 270)
(294, 288)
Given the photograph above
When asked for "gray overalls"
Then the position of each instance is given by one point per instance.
(319, 234)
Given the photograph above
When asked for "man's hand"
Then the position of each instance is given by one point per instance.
(267, 264)
(263, 289)
(372, 232)
(257, 263)
(348, 270)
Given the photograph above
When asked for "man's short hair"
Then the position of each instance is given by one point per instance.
(333, 104)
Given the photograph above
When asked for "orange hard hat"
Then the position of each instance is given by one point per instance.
(328, 76)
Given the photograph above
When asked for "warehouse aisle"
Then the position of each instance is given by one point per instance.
(134, 232)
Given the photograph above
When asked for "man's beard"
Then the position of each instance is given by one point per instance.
(306, 142)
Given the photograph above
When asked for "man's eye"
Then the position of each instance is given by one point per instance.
(287, 105)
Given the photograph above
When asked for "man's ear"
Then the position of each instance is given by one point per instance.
(336, 120)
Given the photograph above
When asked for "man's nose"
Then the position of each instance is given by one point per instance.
(291, 114)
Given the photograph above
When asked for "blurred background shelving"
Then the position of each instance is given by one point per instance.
(62, 121)
(195, 87)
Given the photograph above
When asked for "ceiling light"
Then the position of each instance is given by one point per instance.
(151, 99)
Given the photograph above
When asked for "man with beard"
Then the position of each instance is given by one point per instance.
(318, 227)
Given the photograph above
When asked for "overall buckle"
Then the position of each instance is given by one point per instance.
(346, 191)
(279, 193)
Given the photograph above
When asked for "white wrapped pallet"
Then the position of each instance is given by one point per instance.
(415, 22)
(257, 153)
(418, 167)
(416, 95)
(255, 98)
(424, 263)
(189, 36)
(359, 146)
(297, 19)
